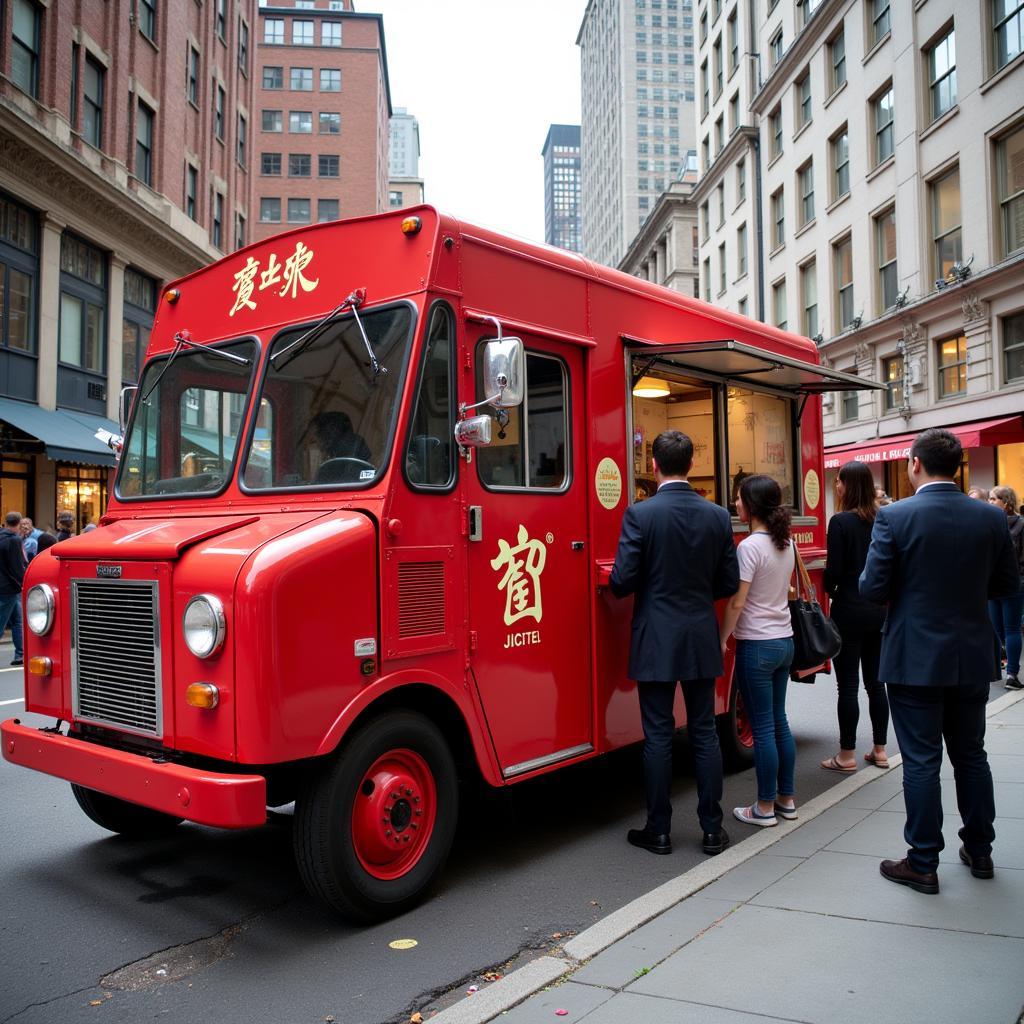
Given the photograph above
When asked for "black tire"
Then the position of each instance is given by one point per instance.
(127, 819)
(734, 734)
(332, 865)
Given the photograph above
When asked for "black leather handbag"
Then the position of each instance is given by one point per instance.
(815, 636)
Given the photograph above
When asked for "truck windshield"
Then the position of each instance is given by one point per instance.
(182, 438)
(325, 417)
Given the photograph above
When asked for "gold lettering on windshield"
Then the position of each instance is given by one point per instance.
(291, 273)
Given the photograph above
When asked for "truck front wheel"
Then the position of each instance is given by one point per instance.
(735, 733)
(127, 819)
(374, 828)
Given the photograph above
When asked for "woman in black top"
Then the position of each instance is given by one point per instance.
(859, 621)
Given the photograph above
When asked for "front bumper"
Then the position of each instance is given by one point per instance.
(209, 798)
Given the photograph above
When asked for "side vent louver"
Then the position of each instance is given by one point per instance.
(420, 599)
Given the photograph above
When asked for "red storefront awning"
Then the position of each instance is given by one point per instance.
(1008, 430)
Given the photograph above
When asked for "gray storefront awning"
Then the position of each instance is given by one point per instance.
(67, 435)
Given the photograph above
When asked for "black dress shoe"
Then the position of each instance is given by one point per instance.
(648, 840)
(715, 842)
(981, 867)
(900, 872)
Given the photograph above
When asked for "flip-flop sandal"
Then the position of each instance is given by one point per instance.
(878, 762)
(832, 765)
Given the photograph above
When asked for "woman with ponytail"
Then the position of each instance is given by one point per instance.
(758, 614)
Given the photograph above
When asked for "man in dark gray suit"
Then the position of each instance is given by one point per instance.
(677, 556)
(937, 558)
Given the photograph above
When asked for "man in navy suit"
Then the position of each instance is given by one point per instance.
(677, 556)
(937, 558)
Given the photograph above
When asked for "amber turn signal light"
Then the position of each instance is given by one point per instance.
(40, 666)
(172, 295)
(411, 225)
(202, 695)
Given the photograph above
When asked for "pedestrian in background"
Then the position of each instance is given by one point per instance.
(46, 540)
(29, 538)
(65, 525)
(1006, 612)
(979, 493)
(677, 557)
(12, 575)
(881, 498)
(936, 557)
(859, 621)
(758, 614)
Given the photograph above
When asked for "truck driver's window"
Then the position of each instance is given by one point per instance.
(537, 456)
(760, 440)
(429, 457)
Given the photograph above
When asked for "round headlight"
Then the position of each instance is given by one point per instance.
(203, 625)
(39, 609)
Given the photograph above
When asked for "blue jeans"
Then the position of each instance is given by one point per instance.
(762, 671)
(10, 614)
(1006, 614)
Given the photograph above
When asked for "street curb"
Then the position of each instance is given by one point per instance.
(518, 986)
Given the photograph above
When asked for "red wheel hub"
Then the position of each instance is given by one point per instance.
(394, 813)
(744, 728)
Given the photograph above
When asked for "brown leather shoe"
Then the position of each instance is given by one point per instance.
(981, 867)
(900, 872)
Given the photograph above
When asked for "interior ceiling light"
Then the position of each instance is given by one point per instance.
(651, 387)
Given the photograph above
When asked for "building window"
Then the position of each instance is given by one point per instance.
(952, 366)
(270, 211)
(273, 77)
(942, 75)
(840, 146)
(850, 406)
(1013, 347)
(270, 163)
(879, 21)
(703, 27)
(946, 247)
(716, 62)
(778, 218)
(742, 307)
(19, 270)
(809, 297)
(721, 203)
(775, 131)
(300, 165)
(83, 301)
(719, 135)
(218, 111)
(842, 262)
(330, 35)
(239, 230)
(779, 305)
(147, 18)
(243, 47)
(803, 105)
(137, 322)
(705, 153)
(193, 76)
(301, 79)
(330, 123)
(721, 269)
(805, 178)
(302, 34)
(883, 109)
(327, 209)
(191, 190)
(273, 31)
(25, 46)
(741, 250)
(144, 144)
(705, 95)
(741, 181)
(221, 19)
(218, 220)
(92, 106)
(707, 279)
(734, 112)
(1008, 20)
(775, 48)
(705, 221)
(298, 211)
(837, 61)
(327, 165)
(242, 137)
(885, 242)
(330, 80)
(271, 120)
(300, 122)
(1010, 172)
(83, 492)
(892, 376)
(733, 36)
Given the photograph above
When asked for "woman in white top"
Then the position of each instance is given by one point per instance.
(758, 614)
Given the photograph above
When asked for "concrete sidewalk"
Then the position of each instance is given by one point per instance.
(796, 924)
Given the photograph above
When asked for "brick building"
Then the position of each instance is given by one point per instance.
(323, 104)
(125, 130)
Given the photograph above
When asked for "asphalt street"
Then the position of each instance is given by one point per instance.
(212, 925)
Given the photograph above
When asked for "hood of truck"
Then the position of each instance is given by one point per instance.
(161, 539)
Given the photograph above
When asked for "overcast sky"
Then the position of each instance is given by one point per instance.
(484, 79)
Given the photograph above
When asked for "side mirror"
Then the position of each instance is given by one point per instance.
(504, 372)
(124, 406)
(474, 432)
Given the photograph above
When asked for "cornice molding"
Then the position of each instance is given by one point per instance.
(740, 139)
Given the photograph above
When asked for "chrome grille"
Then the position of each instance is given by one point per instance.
(115, 654)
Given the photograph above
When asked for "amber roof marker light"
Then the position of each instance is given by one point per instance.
(411, 225)
(172, 295)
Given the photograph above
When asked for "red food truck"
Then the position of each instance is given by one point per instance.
(366, 507)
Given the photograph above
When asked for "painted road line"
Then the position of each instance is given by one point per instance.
(17, 700)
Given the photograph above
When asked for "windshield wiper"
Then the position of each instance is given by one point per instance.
(181, 339)
(352, 300)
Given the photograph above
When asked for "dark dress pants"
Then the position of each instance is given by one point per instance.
(861, 651)
(659, 729)
(924, 716)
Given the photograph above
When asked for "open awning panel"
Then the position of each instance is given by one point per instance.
(67, 436)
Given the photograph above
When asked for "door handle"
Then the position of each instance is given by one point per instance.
(577, 545)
